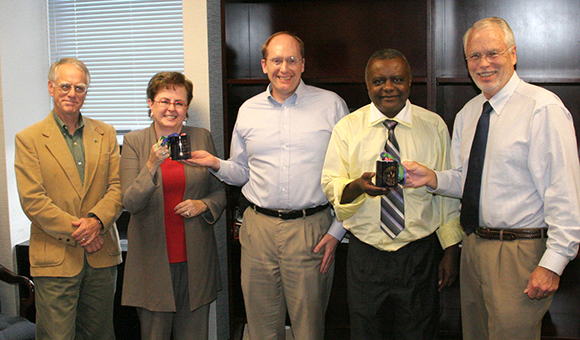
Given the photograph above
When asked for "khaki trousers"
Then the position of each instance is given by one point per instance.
(494, 275)
(280, 273)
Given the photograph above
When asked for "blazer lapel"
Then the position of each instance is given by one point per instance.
(93, 139)
(57, 146)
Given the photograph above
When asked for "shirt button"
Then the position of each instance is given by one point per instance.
(80, 163)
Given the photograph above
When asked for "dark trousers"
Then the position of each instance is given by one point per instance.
(393, 295)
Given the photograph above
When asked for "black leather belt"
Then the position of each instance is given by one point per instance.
(510, 234)
(289, 214)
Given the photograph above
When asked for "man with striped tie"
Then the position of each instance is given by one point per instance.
(394, 266)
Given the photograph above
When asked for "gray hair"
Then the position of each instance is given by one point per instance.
(492, 22)
(53, 73)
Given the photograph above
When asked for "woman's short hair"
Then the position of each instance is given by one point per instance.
(164, 80)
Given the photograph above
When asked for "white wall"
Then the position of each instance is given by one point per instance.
(24, 99)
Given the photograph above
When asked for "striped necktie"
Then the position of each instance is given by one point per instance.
(392, 204)
(472, 189)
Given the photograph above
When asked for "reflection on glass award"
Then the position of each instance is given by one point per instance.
(387, 173)
(179, 146)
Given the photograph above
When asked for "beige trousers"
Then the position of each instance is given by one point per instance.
(280, 273)
(494, 275)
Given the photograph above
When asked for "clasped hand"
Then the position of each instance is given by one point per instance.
(88, 233)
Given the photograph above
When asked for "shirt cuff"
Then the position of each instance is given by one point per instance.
(217, 172)
(336, 230)
(442, 182)
(450, 233)
(553, 261)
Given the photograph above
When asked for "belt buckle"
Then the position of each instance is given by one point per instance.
(507, 235)
(483, 233)
(282, 213)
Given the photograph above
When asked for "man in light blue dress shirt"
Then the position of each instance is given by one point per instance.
(288, 235)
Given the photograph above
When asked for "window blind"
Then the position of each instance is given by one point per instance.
(123, 43)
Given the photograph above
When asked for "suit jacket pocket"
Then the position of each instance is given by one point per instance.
(112, 244)
(46, 251)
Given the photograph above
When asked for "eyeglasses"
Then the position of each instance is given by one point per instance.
(490, 56)
(79, 89)
(179, 105)
(291, 61)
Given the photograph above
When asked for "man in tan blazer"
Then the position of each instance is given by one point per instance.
(67, 172)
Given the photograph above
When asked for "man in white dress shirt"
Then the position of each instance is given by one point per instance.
(527, 214)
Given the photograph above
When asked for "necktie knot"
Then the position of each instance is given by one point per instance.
(487, 108)
(390, 124)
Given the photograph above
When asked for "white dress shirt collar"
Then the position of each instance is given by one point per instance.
(500, 99)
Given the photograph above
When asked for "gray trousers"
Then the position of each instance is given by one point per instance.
(184, 324)
(78, 307)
